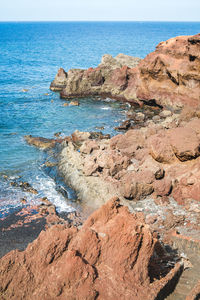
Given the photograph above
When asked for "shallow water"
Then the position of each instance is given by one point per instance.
(30, 54)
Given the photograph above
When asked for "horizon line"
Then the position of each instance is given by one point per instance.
(56, 21)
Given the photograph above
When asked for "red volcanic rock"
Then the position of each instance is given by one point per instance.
(184, 143)
(162, 187)
(160, 149)
(168, 76)
(129, 142)
(180, 142)
(113, 256)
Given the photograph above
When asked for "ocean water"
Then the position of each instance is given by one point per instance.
(30, 55)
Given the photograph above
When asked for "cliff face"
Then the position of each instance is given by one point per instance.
(169, 76)
(113, 256)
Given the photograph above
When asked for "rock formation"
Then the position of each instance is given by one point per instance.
(169, 76)
(113, 256)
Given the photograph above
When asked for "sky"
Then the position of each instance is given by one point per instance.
(100, 10)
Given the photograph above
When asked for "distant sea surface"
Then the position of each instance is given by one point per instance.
(30, 55)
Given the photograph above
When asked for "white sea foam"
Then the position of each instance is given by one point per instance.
(47, 187)
(106, 107)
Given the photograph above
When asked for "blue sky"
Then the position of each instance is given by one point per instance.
(67, 10)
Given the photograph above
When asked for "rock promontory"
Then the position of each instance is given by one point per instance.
(169, 76)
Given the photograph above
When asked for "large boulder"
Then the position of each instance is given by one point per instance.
(113, 256)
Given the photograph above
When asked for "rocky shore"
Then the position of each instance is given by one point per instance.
(142, 239)
(169, 76)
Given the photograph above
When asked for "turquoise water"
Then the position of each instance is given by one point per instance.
(30, 55)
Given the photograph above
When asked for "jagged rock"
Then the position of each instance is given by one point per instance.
(60, 81)
(169, 76)
(67, 263)
(40, 142)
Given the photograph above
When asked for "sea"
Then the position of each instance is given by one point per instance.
(30, 55)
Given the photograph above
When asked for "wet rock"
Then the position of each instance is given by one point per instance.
(50, 164)
(40, 142)
(137, 271)
(57, 134)
(23, 200)
(74, 103)
(25, 186)
(66, 104)
(124, 126)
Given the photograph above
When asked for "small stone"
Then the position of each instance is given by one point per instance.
(74, 103)
(23, 200)
(124, 126)
(139, 117)
(156, 119)
(57, 134)
(25, 90)
(165, 113)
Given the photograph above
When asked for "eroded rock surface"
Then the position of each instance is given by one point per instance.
(169, 76)
(113, 256)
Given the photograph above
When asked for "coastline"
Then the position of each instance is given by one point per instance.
(152, 168)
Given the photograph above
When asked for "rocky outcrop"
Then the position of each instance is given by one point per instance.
(60, 81)
(169, 76)
(113, 256)
(43, 143)
(159, 161)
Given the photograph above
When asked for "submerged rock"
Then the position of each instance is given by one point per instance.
(67, 263)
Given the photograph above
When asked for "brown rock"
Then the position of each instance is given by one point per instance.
(184, 143)
(169, 76)
(40, 142)
(162, 187)
(60, 81)
(74, 103)
(67, 263)
(160, 149)
(79, 136)
(88, 146)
